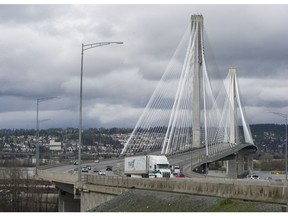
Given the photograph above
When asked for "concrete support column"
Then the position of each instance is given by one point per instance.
(250, 163)
(231, 168)
(240, 164)
(235, 166)
(67, 203)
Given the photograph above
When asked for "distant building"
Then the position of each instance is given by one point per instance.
(55, 146)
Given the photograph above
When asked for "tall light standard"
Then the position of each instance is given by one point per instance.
(39, 100)
(285, 117)
(85, 47)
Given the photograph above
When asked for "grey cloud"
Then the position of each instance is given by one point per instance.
(29, 13)
(41, 44)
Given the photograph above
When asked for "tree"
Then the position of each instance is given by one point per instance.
(268, 163)
(19, 192)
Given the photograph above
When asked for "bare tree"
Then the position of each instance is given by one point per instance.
(20, 192)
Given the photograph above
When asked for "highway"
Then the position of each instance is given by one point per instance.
(183, 160)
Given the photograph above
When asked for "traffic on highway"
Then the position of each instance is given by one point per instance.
(115, 166)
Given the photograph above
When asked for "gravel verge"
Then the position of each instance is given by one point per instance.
(136, 200)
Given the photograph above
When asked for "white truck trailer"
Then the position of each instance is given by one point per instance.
(147, 166)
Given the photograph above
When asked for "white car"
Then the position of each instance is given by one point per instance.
(84, 169)
(102, 172)
(253, 176)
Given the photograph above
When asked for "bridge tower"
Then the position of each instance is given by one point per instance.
(233, 111)
(235, 165)
(235, 107)
(191, 88)
(197, 27)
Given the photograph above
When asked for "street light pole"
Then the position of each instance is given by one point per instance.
(85, 47)
(37, 127)
(285, 117)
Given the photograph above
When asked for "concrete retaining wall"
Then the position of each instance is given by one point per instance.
(98, 189)
(254, 190)
(90, 200)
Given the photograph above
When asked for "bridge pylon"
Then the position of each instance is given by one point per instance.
(193, 71)
(236, 112)
(197, 27)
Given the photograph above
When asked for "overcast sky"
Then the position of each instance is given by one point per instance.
(41, 46)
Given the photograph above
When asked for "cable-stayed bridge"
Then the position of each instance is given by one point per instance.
(186, 111)
(194, 118)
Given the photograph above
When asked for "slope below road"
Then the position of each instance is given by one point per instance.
(136, 200)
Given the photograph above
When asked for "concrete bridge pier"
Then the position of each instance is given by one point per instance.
(250, 166)
(67, 203)
(93, 195)
(235, 167)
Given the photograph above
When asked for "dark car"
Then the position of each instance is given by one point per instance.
(109, 168)
(95, 170)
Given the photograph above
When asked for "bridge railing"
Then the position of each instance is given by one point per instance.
(57, 177)
(123, 180)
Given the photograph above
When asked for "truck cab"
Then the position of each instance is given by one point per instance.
(159, 167)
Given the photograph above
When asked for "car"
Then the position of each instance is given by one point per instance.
(180, 175)
(88, 167)
(84, 169)
(109, 168)
(102, 172)
(76, 163)
(253, 176)
(95, 170)
(96, 161)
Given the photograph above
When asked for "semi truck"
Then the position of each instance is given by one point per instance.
(147, 166)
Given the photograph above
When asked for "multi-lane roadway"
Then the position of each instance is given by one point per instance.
(184, 160)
